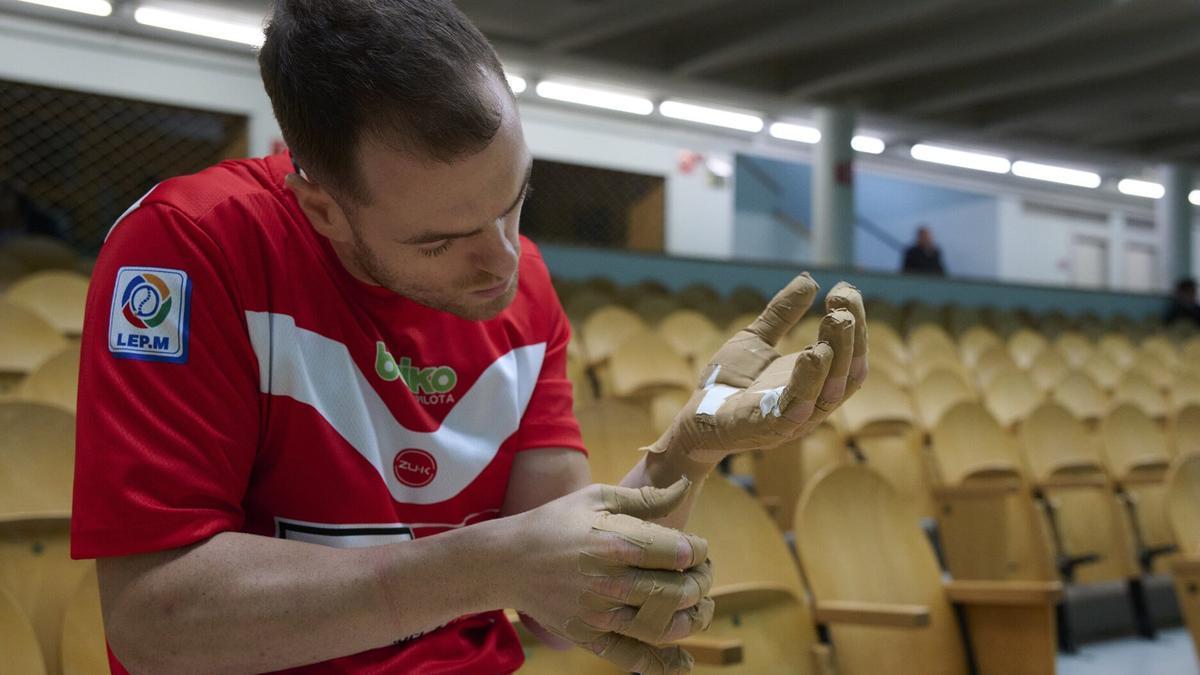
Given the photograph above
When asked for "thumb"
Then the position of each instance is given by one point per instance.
(646, 502)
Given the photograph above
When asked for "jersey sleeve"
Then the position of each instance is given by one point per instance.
(549, 421)
(168, 408)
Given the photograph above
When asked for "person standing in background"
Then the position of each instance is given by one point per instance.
(923, 257)
(1183, 304)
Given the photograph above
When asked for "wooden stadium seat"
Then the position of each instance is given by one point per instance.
(55, 382)
(57, 296)
(781, 474)
(1183, 513)
(584, 301)
(919, 313)
(1103, 370)
(1076, 348)
(583, 390)
(1189, 349)
(1010, 396)
(1161, 347)
(935, 394)
(606, 329)
(894, 372)
(1137, 456)
(880, 312)
(801, 335)
(653, 307)
(22, 651)
(41, 253)
(37, 460)
(1185, 431)
(747, 299)
(690, 334)
(975, 342)
(960, 320)
(1140, 391)
(1006, 322)
(1119, 348)
(26, 340)
(83, 648)
(698, 295)
(1153, 368)
(1185, 391)
(989, 523)
(992, 363)
(944, 359)
(1048, 370)
(739, 322)
(664, 405)
(1025, 345)
(877, 588)
(646, 371)
(1082, 396)
(613, 431)
(885, 341)
(926, 338)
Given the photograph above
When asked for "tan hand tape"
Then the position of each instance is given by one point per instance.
(847, 297)
(785, 309)
(659, 545)
(647, 501)
(837, 330)
(633, 656)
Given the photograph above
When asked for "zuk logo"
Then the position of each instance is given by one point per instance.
(431, 385)
(146, 302)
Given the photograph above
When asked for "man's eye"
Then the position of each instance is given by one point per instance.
(436, 250)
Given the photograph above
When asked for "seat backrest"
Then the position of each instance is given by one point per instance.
(1082, 396)
(992, 363)
(57, 296)
(1130, 438)
(856, 544)
(878, 401)
(1183, 506)
(83, 648)
(688, 332)
(607, 328)
(937, 392)
(1140, 391)
(1025, 345)
(1119, 348)
(927, 362)
(613, 431)
(645, 363)
(1054, 442)
(968, 443)
(782, 473)
(37, 460)
(1161, 347)
(976, 341)
(1103, 370)
(883, 338)
(1185, 391)
(55, 382)
(1047, 370)
(1076, 348)
(1185, 431)
(22, 653)
(925, 338)
(26, 339)
(1010, 396)
(803, 334)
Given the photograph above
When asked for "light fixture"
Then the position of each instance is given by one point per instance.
(516, 83)
(1141, 188)
(232, 31)
(868, 144)
(719, 167)
(1194, 197)
(690, 112)
(961, 158)
(93, 7)
(1056, 174)
(795, 132)
(596, 98)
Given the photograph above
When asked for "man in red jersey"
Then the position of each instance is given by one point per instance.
(324, 423)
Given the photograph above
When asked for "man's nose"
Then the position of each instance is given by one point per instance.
(496, 254)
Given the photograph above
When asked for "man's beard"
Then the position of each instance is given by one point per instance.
(366, 260)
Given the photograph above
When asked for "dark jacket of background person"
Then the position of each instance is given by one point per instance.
(923, 257)
(1183, 304)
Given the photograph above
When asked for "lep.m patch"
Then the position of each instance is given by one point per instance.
(149, 318)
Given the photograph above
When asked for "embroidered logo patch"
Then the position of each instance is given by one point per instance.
(149, 318)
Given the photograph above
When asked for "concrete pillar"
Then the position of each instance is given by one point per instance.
(833, 188)
(1174, 215)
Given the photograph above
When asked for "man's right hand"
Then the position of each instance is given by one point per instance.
(591, 568)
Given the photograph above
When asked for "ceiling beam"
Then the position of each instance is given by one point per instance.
(1061, 70)
(623, 22)
(1178, 144)
(1006, 30)
(826, 24)
(1132, 131)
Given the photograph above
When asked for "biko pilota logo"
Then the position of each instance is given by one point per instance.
(432, 385)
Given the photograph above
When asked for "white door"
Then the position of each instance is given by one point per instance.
(1089, 262)
(1139, 268)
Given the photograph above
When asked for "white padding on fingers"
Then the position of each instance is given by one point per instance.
(769, 403)
(712, 378)
(714, 398)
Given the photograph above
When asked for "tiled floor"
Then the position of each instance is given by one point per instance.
(1171, 654)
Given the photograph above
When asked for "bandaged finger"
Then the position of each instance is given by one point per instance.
(634, 587)
(847, 297)
(646, 545)
(837, 330)
(806, 380)
(785, 309)
(637, 657)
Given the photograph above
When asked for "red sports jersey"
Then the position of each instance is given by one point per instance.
(235, 377)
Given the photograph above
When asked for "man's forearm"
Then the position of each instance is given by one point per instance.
(246, 603)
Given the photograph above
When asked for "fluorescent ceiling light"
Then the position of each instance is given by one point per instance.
(690, 112)
(596, 98)
(93, 7)
(1056, 174)
(232, 31)
(1194, 197)
(795, 132)
(960, 158)
(516, 82)
(719, 167)
(1141, 188)
(867, 144)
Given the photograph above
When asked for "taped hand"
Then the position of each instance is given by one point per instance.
(597, 573)
(751, 397)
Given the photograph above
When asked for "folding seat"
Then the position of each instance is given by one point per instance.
(938, 359)
(802, 334)
(1183, 512)
(991, 363)
(22, 651)
(1053, 324)
(877, 588)
(57, 296)
(691, 335)
(26, 340)
(1140, 391)
(1103, 370)
(613, 431)
(884, 340)
(747, 299)
(1185, 431)
(917, 314)
(1137, 456)
(960, 319)
(1006, 322)
(1189, 349)
(645, 370)
(37, 452)
(1025, 345)
(895, 372)
(1185, 391)
(1010, 396)
(607, 328)
(926, 338)
(652, 307)
(1153, 368)
(782, 473)
(84, 651)
(584, 301)
(1085, 399)
(1048, 370)
(55, 381)
(741, 321)
(1075, 347)
(976, 341)
(36, 253)
(1161, 347)
(1119, 348)
(937, 393)
(698, 295)
(883, 313)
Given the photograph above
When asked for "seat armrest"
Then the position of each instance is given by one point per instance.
(1068, 480)
(713, 651)
(1004, 592)
(871, 614)
(976, 490)
(1187, 567)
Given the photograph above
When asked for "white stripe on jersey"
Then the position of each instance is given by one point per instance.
(318, 371)
(128, 211)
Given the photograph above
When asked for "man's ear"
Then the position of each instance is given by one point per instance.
(323, 212)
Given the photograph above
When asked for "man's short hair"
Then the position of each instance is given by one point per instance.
(409, 74)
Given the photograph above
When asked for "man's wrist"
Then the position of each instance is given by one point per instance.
(665, 467)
